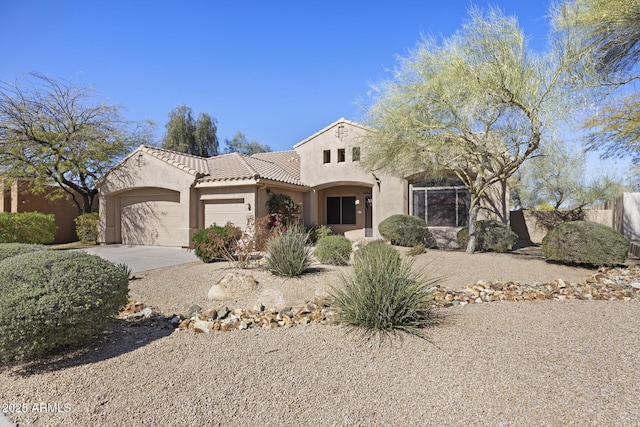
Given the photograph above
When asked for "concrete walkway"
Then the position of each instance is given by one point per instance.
(141, 258)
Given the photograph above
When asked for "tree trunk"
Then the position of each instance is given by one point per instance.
(90, 200)
(473, 216)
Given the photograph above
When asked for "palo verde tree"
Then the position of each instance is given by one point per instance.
(608, 33)
(186, 135)
(56, 133)
(556, 178)
(476, 105)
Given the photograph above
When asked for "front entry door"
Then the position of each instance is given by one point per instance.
(368, 215)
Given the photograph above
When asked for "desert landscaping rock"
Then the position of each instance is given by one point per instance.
(233, 285)
(608, 284)
(566, 359)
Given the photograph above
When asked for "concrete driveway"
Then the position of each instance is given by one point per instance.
(141, 258)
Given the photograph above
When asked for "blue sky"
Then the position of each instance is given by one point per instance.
(277, 71)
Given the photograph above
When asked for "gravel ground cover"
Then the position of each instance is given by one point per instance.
(499, 363)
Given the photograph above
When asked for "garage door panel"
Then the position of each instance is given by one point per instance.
(222, 211)
(151, 220)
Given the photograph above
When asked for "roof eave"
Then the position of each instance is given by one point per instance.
(283, 184)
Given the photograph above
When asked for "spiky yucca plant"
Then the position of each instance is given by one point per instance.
(383, 295)
(287, 253)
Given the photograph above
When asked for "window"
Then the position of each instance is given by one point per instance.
(355, 154)
(441, 204)
(341, 210)
(341, 155)
(326, 156)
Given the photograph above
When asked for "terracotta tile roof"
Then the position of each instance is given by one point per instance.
(289, 161)
(194, 165)
(228, 167)
(281, 166)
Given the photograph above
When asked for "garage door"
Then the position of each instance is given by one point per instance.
(221, 211)
(151, 219)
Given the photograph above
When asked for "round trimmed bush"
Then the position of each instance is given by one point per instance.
(334, 249)
(53, 299)
(585, 242)
(491, 236)
(12, 249)
(404, 230)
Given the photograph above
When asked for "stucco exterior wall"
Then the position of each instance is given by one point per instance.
(625, 210)
(262, 209)
(315, 172)
(390, 197)
(494, 204)
(528, 227)
(346, 177)
(17, 197)
(631, 217)
(138, 172)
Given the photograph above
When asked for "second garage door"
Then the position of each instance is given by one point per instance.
(221, 211)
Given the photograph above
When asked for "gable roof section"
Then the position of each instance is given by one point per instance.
(235, 166)
(289, 161)
(228, 167)
(321, 131)
(281, 166)
(194, 165)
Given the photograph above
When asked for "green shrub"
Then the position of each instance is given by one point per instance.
(87, 227)
(287, 253)
(27, 227)
(317, 232)
(215, 243)
(53, 299)
(383, 294)
(334, 250)
(404, 230)
(12, 249)
(585, 242)
(491, 236)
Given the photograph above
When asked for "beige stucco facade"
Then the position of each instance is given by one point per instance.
(159, 197)
(18, 197)
(147, 194)
(330, 165)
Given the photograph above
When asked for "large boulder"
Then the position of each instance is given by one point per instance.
(232, 286)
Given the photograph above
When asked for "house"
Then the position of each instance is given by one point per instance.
(18, 197)
(160, 197)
